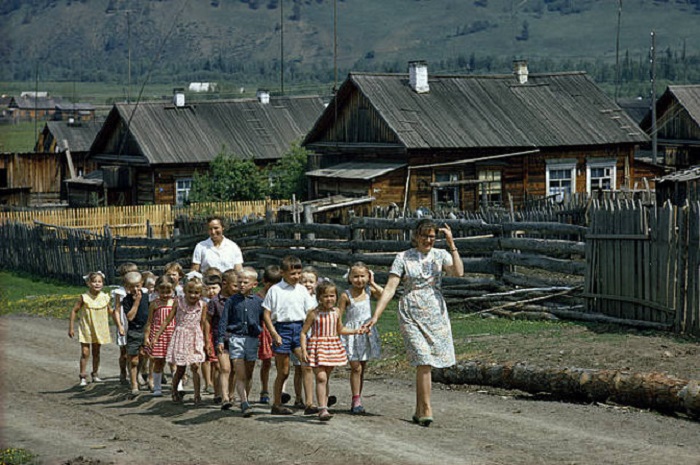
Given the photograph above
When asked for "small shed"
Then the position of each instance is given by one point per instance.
(679, 187)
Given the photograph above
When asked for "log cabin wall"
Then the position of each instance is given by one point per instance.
(40, 172)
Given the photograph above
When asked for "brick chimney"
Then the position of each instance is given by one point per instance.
(179, 97)
(520, 70)
(418, 76)
(263, 96)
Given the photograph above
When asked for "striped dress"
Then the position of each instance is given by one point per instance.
(325, 347)
(160, 314)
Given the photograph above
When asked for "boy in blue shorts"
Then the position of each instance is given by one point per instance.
(241, 320)
(286, 305)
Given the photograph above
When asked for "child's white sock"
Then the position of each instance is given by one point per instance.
(157, 378)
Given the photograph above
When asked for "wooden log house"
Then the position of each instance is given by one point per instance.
(461, 142)
(150, 151)
(677, 126)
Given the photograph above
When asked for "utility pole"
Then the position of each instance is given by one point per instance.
(335, 46)
(128, 46)
(282, 46)
(652, 75)
(617, 51)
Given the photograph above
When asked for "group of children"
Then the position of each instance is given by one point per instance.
(219, 322)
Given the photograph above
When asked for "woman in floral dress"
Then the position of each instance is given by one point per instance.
(423, 319)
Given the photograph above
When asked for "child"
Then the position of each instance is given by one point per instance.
(136, 309)
(240, 321)
(158, 312)
(117, 295)
(324, 349)
(212, 287)
(149, 282)
(215, 307)
(304, 374)
(355, 305)
(175, 271)
(93, 328)
(187, 344)
(286, 304)
(271, 276)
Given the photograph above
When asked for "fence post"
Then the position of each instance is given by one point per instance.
(309, 219)
(110, 250)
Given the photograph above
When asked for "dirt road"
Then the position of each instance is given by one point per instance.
(45, 411)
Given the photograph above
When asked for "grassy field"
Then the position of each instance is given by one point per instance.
(19, 137)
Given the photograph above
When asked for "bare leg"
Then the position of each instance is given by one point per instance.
(84, 356)
(282, 366)
(423, 387)
(224, 375)
(95, 359)
(179, 373)
(356, 378)
(206, 374)
(265, 367)
(307, 374)
(196, 382)
(123, 358)
(134, 372)
(298, 384)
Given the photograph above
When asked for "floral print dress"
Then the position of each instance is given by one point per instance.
(423, 319)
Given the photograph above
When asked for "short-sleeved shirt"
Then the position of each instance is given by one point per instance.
(141, 316)
(224, 257)
(288, 303)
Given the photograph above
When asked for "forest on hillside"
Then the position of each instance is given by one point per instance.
(242, 42)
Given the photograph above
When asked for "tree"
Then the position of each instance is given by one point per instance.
(229, 178)
(288, 175)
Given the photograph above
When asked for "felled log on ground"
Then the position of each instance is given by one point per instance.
(654, 391)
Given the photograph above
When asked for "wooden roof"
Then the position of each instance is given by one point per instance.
(687, 96)
(197, 132)
(79, 136)
(356, 170)
(467, 111)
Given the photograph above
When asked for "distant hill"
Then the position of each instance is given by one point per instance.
(239, 41)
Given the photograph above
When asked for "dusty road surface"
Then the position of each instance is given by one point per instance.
(45, 411)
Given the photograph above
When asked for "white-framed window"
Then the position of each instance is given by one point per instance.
(446, 196)
(560, 178)
(182, 190)
(490, 187)
(601, 175)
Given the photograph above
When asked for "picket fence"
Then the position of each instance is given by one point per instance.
(644, 264)
(156, 221)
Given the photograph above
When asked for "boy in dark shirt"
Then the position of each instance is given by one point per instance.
(240, 322)
(135, 305)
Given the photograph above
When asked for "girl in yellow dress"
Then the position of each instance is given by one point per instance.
(93, 328)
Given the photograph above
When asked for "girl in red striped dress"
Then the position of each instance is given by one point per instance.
(324, 350)
(157, 315)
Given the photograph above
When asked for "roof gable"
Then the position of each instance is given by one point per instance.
(79, 136)
(562, 109)
(197, 132)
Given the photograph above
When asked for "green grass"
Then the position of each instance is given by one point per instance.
(19, 137)
(29, 295)
(13, 456)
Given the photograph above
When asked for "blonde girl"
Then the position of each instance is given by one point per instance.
(158, 312)
(355, 306)
(186, 347)
(324, 350)
(93, 328)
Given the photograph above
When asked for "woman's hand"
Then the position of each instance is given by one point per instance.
(368, 325)
(447, 231)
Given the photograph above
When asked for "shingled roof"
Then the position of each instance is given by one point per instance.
(196, 132)
(79, 136)
(468, 111)
(687, 96)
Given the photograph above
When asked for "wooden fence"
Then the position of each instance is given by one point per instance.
(140, 220)
(643, 264)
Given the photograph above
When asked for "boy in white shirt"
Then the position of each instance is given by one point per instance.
(285, 306)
